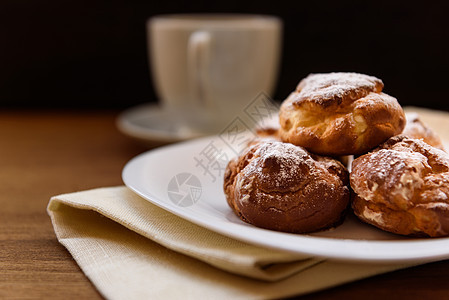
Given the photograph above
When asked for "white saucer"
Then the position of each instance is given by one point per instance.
(150, 124)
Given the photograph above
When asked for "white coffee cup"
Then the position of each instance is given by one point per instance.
(207, 67)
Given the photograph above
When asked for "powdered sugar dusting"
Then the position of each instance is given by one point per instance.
(283, 167)
(403, 172)
(337, 86)
(392, 172)
(285, 160)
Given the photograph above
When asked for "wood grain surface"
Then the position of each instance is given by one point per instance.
(48, 153)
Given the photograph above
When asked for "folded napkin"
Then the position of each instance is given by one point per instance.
(132, 249)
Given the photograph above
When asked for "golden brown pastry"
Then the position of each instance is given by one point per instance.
(283, 187)
(340, 114)
(416, 129)
(403, 187)
(265, 133)
(268, 132)
(267, 129)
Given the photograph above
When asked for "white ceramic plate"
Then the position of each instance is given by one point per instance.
(156, 175)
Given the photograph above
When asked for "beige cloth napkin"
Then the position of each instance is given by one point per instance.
(132, 249)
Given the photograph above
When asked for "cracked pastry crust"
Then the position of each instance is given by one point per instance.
(340, 114)
(283, 187)
(416, 129)
(403, 187)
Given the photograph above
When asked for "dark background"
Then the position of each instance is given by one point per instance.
(92, 54)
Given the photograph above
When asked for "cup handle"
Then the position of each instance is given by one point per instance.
(198, 58)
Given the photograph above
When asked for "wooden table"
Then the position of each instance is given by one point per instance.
(47, 153)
